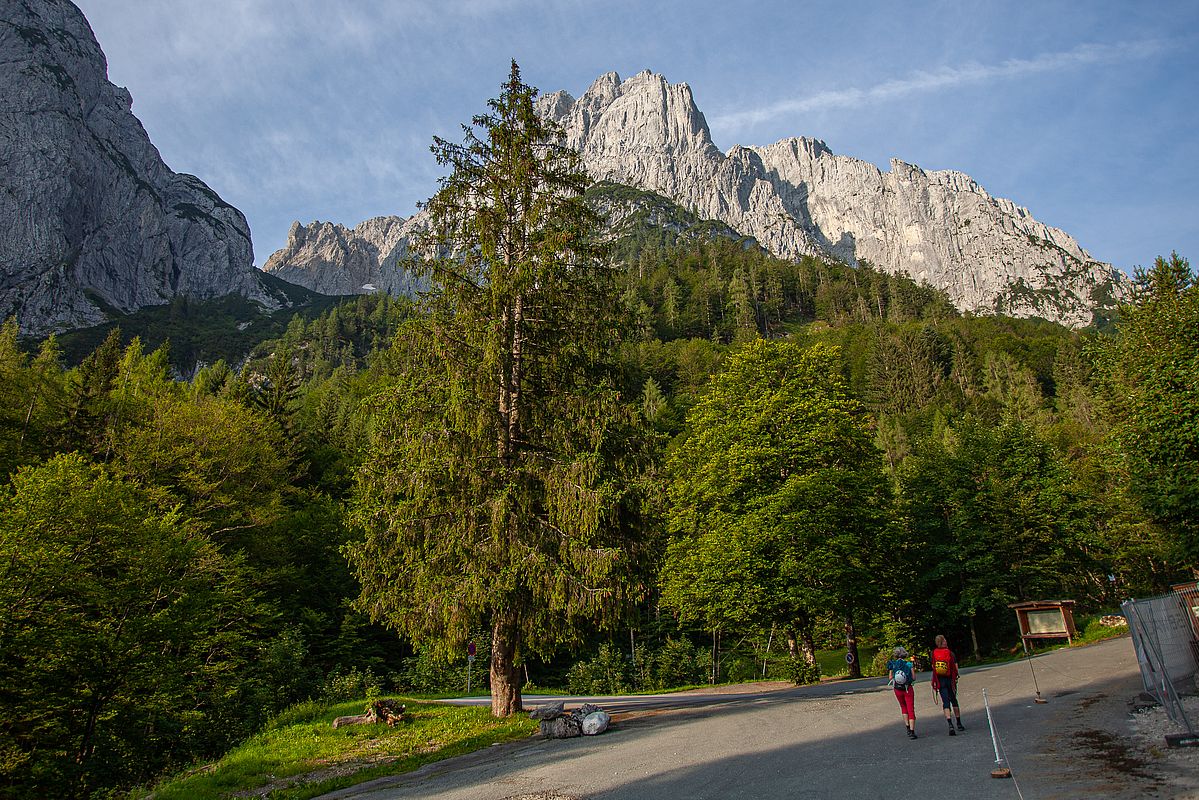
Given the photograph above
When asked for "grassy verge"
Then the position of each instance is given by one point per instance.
(832, 662)
(300, 755)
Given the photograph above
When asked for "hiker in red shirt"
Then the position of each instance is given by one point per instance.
(945, 682)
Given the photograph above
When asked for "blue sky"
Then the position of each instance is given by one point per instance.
(1084, 112)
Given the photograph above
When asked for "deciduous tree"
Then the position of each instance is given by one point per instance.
(124, 634)
(1150, 374)
(778, 498)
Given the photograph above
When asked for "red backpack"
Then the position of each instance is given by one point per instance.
(943, 662)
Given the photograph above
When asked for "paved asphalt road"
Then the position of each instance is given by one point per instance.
(838, 740)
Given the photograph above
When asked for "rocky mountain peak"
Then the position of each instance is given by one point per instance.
(332, 259)
(643, 113)
(797, 197)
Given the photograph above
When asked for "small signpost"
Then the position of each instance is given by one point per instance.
(1044, 619)
(470, 662)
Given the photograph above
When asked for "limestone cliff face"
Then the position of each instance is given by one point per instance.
(91, 216)
(648, 134)
(796, 197)
(332, 259)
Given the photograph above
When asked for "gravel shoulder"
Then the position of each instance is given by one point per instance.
(1103, 738)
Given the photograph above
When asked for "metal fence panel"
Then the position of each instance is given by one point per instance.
(1164, 638)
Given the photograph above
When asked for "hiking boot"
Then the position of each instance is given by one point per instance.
(961, 727)
(952, 732)
(912, 734)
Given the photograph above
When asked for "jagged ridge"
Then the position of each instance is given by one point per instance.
(795, 198)
(332, 259)
(798, 198)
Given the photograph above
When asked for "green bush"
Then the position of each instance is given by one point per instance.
(425, 673)
(607, 673)
(800, 672)
(679, 663)
(676, 663)
(740, 667)
(283, 672)
(351, 685)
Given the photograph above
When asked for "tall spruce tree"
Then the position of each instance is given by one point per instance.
(497, 491)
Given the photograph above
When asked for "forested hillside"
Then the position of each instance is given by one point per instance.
(174, 550)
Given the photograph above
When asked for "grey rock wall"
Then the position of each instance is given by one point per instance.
(90, 217)
(332, 259)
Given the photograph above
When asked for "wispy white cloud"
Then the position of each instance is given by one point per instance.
(944, 78)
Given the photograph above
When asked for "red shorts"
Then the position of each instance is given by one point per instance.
(907, 702)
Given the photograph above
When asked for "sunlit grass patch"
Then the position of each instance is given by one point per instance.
(300, 754)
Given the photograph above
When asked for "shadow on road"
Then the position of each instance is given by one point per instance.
(819, 742)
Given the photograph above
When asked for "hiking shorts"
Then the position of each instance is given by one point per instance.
(949, 695)
(907, 702)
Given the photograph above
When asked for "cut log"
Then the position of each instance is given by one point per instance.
(358, 719)
(388, 711)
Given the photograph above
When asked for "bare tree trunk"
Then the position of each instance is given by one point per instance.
(766, 657)
(808, 645)
(715, 657)
(792, 642)
(803, 626)
(974, 639)
(851, 645)
(505, 682)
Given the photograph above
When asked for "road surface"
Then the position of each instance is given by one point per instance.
(841, 739)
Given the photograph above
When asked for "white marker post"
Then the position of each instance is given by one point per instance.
(1000, 770)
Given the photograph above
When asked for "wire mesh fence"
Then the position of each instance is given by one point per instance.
(1166, 638)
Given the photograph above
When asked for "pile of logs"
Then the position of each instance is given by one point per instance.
(389, 711)
(558, 723)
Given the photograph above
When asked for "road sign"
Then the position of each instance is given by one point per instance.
(849, 658)
(470, 649)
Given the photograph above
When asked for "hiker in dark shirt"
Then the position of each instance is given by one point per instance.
(945, 683)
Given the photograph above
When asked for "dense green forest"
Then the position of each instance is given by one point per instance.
(175, 551)
(754, 459)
